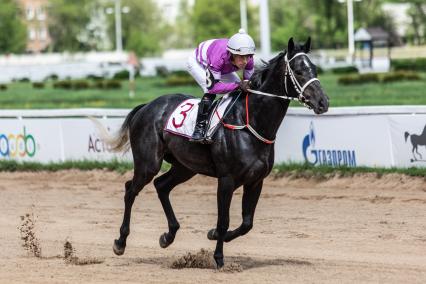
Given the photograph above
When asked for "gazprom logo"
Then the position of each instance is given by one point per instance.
(329, 157)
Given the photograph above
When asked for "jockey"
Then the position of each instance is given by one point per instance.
(213, 65)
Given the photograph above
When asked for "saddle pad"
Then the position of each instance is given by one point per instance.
(182, 120)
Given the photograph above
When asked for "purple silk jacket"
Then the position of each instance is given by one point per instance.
(214, 56)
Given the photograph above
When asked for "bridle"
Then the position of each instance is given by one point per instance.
(296, 85)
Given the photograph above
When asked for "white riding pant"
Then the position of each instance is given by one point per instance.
(198, 72)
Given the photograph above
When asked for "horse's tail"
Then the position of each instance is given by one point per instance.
(406, 134)
(120, 141)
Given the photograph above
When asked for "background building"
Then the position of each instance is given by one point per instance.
(36, 20)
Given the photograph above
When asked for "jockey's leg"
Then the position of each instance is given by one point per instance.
(202, 117)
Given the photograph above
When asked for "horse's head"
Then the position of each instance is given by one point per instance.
(300, 77)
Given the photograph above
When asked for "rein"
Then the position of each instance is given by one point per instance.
(299, 89)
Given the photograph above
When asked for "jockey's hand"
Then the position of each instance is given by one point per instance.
(244, 85)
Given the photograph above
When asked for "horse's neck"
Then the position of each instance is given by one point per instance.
(266, 113)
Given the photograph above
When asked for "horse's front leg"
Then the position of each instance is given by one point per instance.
(250, 198)
(224, 196)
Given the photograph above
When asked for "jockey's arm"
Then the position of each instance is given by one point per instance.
(215, 86)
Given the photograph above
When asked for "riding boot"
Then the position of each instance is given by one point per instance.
(202, 117)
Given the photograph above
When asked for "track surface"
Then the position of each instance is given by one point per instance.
(343, 230)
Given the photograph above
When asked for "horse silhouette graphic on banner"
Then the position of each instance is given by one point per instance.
(416, 140)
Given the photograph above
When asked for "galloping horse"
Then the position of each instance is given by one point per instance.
(242, 157)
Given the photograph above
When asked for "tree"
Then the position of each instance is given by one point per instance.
(183, 30)
(215, 19)
(13, 33)
(143, 29)
(67, 20)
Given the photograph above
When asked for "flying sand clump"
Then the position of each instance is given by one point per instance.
(28, 236)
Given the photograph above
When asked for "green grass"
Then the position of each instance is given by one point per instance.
(287, 169)
(113, 165)
(370, 94)
(23, 96)
(306, 170)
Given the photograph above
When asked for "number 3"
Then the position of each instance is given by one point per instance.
(183, 113)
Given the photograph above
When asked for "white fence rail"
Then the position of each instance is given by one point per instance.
(393, 136)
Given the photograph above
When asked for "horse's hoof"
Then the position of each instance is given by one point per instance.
(219, 263)
(118, 250)
(163, 241)
(212, 235)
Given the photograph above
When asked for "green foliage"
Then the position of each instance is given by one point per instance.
(113, 165)
(416, 64)
(143, 28)
(179, 80)
(344, 70)
(3, 87)
(121, 75)
(80, 85)
(67, 20)
(98, 84)
(23, 96)
(182, 35)
(295, 170)
(359, 79)
(299, 170)
(374, 78)
(95, 77)
(66, 84)
(13, 32)
(215, 19)
(112, 84)
(400, 76)
(38, 85)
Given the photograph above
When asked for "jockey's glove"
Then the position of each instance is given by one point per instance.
(244, 85)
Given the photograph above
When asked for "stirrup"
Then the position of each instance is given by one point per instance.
(208, 140)
(197, 136)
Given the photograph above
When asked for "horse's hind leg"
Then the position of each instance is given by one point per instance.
(250, 198)
(144, 172)
(164, 185)
(416, 150)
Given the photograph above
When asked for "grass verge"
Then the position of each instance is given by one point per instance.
(281, 170)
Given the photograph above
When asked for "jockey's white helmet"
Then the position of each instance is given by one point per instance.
(241, 44)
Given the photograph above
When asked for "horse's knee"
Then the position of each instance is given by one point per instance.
(159, 185)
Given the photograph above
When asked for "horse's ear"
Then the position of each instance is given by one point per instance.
(307, 45)
(290, 46)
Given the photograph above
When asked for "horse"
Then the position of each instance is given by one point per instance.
(238, 157)
(416, 140)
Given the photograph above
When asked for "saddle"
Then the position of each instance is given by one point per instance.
(182, 120)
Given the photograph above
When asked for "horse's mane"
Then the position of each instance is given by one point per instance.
(259, 74)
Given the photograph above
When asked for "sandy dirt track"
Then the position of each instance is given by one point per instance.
(342, 230)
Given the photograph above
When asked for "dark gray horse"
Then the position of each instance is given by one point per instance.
(236, 158)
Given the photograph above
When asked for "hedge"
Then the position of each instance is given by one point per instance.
(372, 77)
(38, 85)
(175, 80)
(417, 64)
